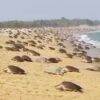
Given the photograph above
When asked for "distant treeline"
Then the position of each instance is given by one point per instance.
(63, 22)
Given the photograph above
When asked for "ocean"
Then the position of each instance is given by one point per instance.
(92, 38)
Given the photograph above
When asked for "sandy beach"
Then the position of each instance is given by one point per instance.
(36, 84)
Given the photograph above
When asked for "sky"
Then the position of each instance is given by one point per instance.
(49, 9)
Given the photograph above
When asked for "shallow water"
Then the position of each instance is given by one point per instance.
(91, 38)
(93, 52)
(94, 36)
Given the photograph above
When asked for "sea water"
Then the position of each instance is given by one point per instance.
(92, 38)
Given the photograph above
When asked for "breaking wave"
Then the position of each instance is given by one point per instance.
(88, 39)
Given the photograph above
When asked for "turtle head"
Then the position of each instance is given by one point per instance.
(63, 70)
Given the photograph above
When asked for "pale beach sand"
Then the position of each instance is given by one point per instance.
(38, 85)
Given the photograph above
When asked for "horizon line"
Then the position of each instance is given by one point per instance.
(41, 19)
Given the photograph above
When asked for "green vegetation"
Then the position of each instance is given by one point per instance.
(63, 22)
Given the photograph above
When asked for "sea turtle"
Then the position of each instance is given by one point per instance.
(26, 58)
(69, 55)
(61, 50)
(54, 60)
(14, 70)
(55, 70)
(87, 59)
(96, 68)
(72, 69)
(18, 59)
(69, 86)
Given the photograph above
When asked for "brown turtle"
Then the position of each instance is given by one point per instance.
(69, 55)
(18, 59)
(10, 36)
(76, 49)
(33, 45)
(40, 46)
(87, 59)
(61, 50)
(26, 58)
(1, 47)
(96, 68)
(39, 41)
(10, 32)
(18, 41)
(80, 47)
(10, 42)
(54, 60)
(51, 48)
(32, 42)
(14, 70)
(72, 69)
(22, 37)
(25, 43)
(15, 36)
(69, 86)
(19, 46)
(12, 49)
(87, 47)
(96, 59)
(61, 44)
(90, 69)
(26, 50)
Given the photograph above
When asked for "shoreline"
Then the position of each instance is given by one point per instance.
(86, 38)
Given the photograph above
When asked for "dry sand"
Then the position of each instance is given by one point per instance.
(37, 85)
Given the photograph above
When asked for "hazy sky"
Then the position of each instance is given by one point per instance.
(48, 9)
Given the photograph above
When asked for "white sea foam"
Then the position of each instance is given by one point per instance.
(87, 39)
